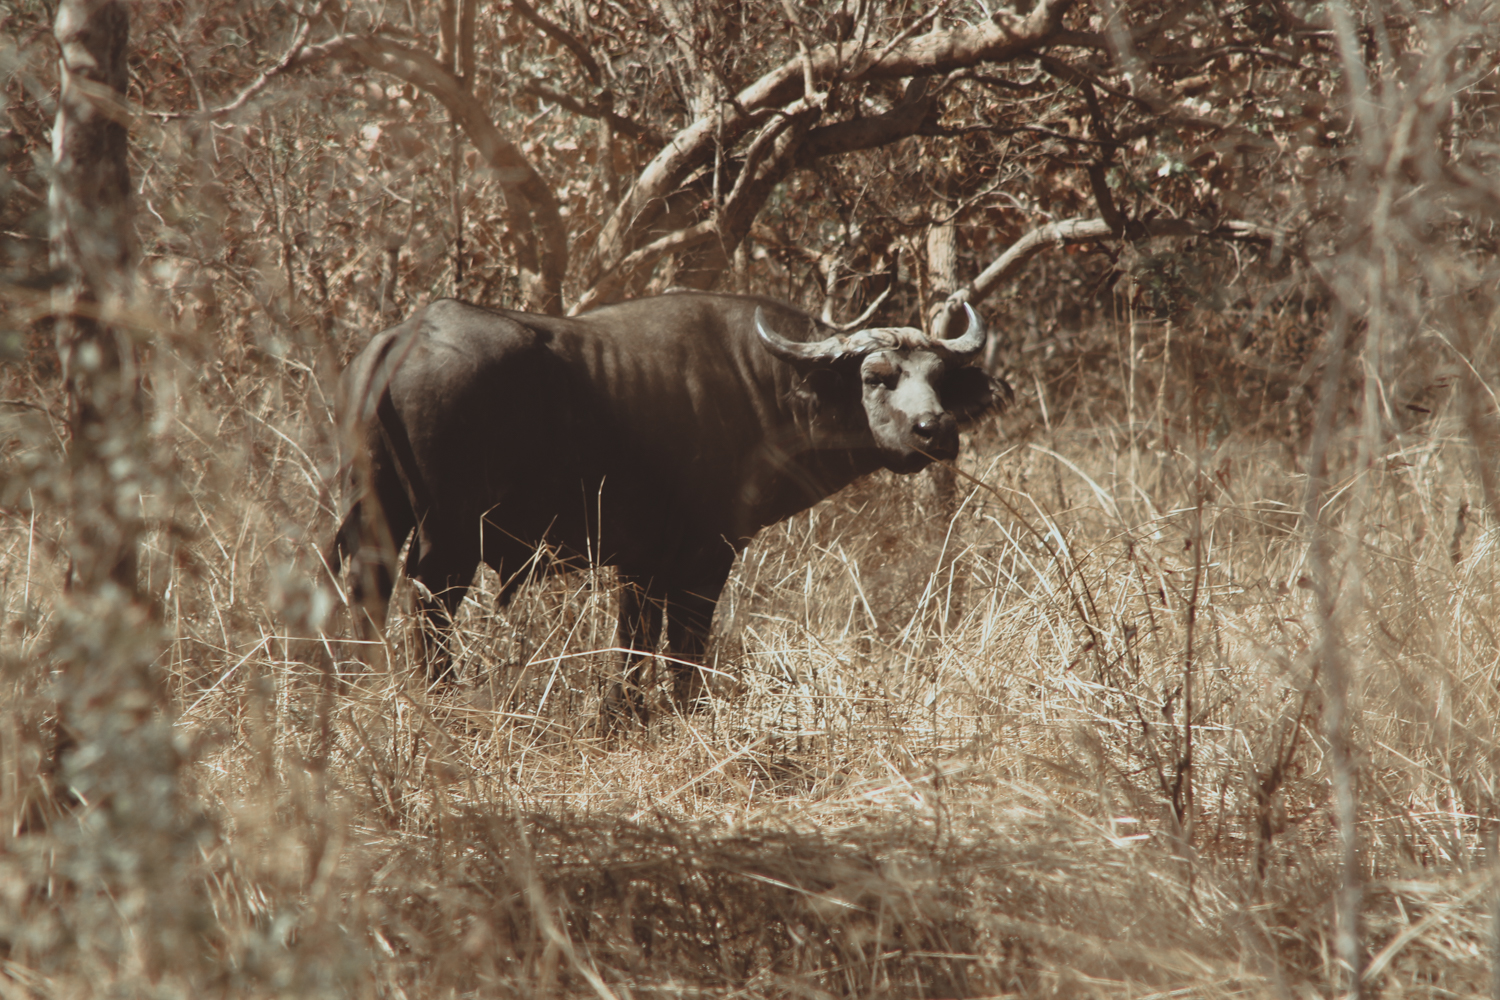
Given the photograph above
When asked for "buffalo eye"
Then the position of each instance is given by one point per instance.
(882, 378)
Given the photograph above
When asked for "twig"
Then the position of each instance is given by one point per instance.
(299, 41)
(864, 317)
(593, 109)
(25, 405)
(963, 130)
(564, 37)
(809, 84)
(1072, 74)
(683, 239)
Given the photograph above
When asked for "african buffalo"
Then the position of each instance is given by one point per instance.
(656, 435)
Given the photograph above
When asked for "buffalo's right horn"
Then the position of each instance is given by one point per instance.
(965, 347)
(791, 350)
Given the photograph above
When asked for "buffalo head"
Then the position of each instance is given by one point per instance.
(915, 389)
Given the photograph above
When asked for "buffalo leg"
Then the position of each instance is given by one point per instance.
(372, 534)
(445, 567)
(640, 627)
(690, 615)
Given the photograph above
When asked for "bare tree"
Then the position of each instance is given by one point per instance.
(750, 119)
(802, 110)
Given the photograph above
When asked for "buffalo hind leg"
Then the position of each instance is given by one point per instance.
(445, 568)
(370, 577)
(640, 627)
(370, 539)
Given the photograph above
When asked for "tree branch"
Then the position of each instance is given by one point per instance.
(646, 256)
(1005, 38)
(963, 130)
(911, 29)
(527, 195)
(913, 111)
(616, 121)
(756, 182)
(465, 62)
(767, 162)
(1073, 231)
(299, 40)
(563, 37)
(447, 32)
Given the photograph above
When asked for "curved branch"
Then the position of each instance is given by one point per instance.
(1005, 38)
(528, 198)
(767, 162)
(563, 37)
(595, 110)
(646, 256)
(916, 109)
(299, 40)
(1073, 231)
(859, 321)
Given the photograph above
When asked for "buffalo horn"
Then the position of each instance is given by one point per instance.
(968, 345)
(791, 350)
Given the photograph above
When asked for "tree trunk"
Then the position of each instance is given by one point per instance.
(93, 245)
(115, 752)
(942, 271)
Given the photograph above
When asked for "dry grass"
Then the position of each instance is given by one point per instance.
(947, 753)
(1065, 726)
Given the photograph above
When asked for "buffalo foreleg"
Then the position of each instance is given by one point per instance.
(690, 615)
(640, 628)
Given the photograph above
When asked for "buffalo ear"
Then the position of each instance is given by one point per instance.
(825, 382)
(971, 392)
(826, 389)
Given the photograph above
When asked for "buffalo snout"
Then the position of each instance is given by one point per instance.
(937, 434)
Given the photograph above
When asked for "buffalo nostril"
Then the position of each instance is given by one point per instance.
(929, 427)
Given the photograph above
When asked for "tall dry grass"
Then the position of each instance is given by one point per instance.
(1058, 732)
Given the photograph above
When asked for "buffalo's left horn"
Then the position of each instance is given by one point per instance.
(791, 350)
(965, 347)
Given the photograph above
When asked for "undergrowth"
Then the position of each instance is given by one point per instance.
(1053, 724)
